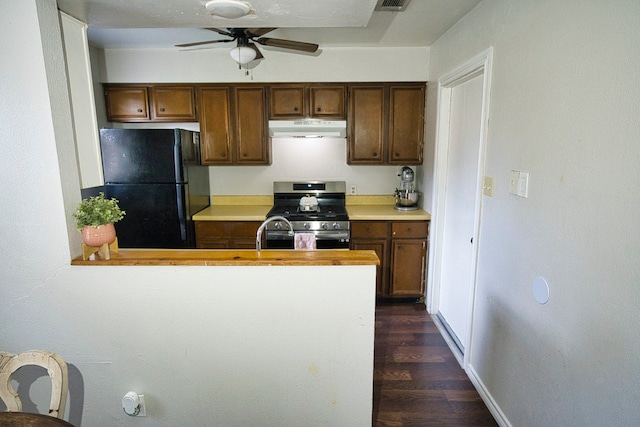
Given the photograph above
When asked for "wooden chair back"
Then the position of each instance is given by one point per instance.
(56, 368)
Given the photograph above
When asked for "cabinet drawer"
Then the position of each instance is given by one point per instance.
(227, 229)
(369, 229)
(409, 229)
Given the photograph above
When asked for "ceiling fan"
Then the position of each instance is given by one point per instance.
(246, 39)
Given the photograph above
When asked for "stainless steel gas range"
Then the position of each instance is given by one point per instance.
(316, 207)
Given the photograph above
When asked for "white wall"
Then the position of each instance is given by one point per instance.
(206, 345)
(215, 65)
(292, 159)
(564, 106)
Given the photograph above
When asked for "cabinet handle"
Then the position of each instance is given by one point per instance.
(139, 110)
(244, 154)
(295, 108)
(396, 154)
(375, 154)
(319, 109)
(161, 110)
(223, 155)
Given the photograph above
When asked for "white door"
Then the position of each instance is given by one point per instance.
(461, 197)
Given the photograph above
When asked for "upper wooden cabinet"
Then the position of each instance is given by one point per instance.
(215, 125)
(385, 120)
(150, 103)
(295, 101)
(386, 123)
(406, 124)
(366, 122)
(233, 127)
(127, 103)
(173, 103)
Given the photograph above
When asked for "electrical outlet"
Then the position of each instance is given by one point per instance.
(354, 189)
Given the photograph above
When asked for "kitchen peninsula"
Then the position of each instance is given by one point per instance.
(287, 335)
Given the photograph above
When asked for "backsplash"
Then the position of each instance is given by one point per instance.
(305, 159)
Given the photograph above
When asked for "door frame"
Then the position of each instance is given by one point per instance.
(476, 66)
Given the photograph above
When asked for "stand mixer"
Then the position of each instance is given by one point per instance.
(406, 196)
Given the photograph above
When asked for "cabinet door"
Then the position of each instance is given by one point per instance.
(251, 139)
(127, 104)
(366, 125)
(327, 102)
(406, 124)
(380, 246)
(215, 128)
(287, 102)
(407, 267)
(173, 103)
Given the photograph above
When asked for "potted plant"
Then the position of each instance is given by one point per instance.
(95, 217)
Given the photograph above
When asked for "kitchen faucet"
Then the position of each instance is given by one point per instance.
(264, 225)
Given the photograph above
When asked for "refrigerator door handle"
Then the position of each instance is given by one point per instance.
(177, 155)
(181, 213)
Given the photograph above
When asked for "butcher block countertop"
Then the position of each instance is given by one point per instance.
(234, 257)
(255, 208)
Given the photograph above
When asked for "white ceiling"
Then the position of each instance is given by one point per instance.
(163, 23)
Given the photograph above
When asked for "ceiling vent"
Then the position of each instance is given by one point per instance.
(391, 5)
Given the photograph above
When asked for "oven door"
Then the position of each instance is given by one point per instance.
(324, 240)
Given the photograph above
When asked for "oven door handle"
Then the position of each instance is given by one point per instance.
(320, 235)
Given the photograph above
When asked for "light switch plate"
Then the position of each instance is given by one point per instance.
(519, 183)
(487, 186)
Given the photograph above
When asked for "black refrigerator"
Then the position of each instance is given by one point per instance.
(156, 176)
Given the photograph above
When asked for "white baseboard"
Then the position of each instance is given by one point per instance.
(493, 407)
(486, 397)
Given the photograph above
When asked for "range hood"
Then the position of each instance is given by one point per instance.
(308, 128)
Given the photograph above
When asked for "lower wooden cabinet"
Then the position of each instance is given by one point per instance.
(402, 249)
(226, 234)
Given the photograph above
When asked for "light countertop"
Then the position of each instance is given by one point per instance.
(384, 213)
(255, 208)
(233, 213)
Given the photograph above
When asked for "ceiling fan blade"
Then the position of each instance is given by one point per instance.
(223, 32)
(288, 44)
(258, 53)
(200, 43)
(257, 32)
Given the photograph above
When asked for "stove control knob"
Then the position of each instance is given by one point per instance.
(324, 226)
(306, 225)
(277, 225)
(336, 226)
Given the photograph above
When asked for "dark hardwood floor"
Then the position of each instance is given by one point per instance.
(417, 380)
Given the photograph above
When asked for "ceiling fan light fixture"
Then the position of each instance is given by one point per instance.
(242, 54)
(230, 9)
